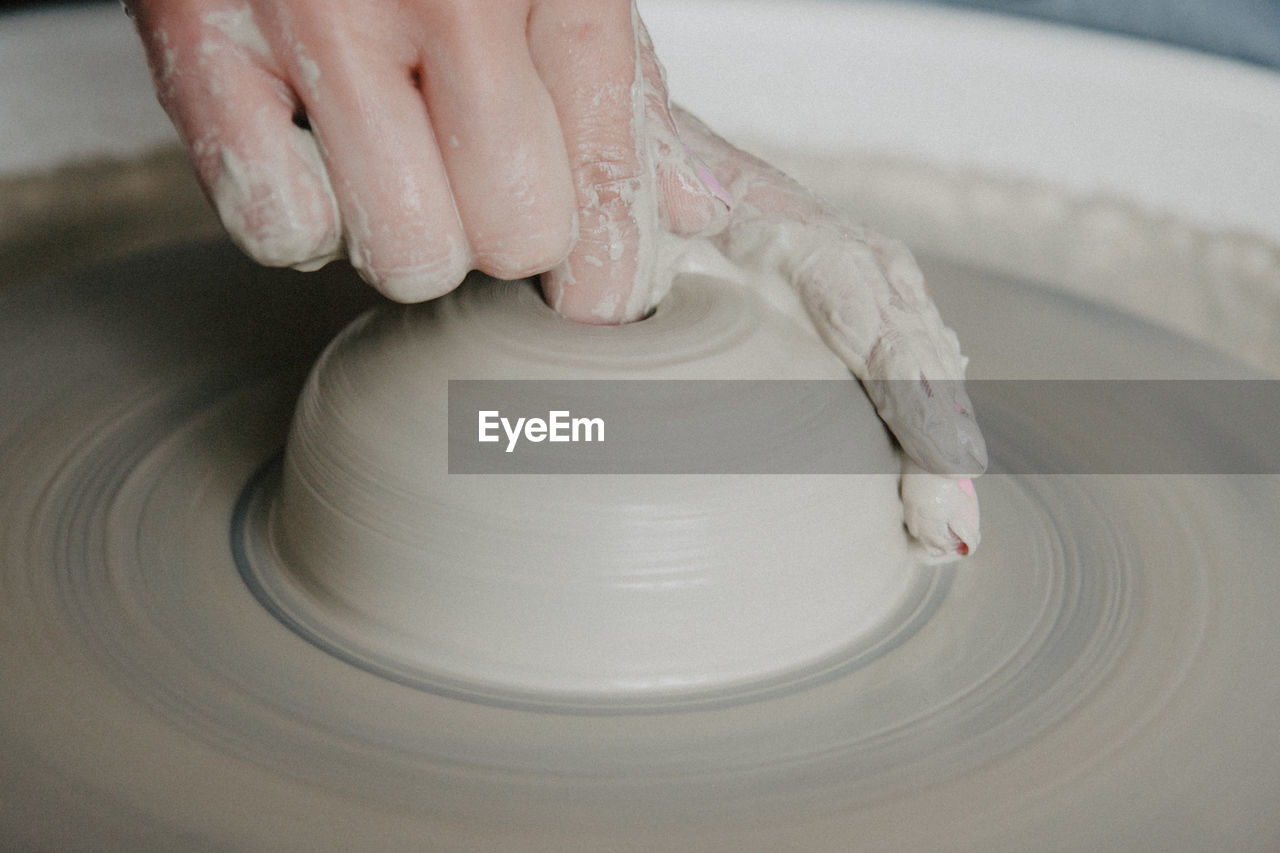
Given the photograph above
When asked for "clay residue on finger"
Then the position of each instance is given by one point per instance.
(864, 295)
(278, 207)
(940, 512)
(612, 255)
(635, 201)
(239, 28)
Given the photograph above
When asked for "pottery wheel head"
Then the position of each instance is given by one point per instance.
(593, 585)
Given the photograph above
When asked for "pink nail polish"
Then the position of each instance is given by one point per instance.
(717, 189)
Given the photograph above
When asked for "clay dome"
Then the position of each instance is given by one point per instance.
(581, 584)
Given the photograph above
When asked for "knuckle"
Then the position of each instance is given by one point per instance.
(602, 158)
(454, 22)
(606, 185)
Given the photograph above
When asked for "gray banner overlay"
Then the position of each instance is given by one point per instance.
(828, 427)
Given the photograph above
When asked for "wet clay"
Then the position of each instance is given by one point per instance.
(1098, 664)
(602, 585)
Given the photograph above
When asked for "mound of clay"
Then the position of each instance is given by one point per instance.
(589, 584)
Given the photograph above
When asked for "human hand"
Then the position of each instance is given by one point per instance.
(866, 297)
(424, 138)
(428, 137)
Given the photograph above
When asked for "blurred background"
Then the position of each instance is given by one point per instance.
(1242, 29)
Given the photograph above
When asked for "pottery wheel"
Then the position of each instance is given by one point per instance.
(1100, 675)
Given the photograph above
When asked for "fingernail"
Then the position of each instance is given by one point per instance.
(953, 450)
(717, 189)
(709, 180)
(977, 450)
(971, 443)
(966, 536)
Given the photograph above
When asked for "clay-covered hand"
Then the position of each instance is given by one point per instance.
(867, 298)
(425, 138)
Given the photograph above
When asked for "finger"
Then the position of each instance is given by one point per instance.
(866, 297)
(262, 173)
(908, 361)
(751, 187)
(692, 201)
(933, 420)
(401, 226)
(915, 370)
(499, 136)
(585, 55)
(940, 512)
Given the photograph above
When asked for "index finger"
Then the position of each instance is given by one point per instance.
(586, 55)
